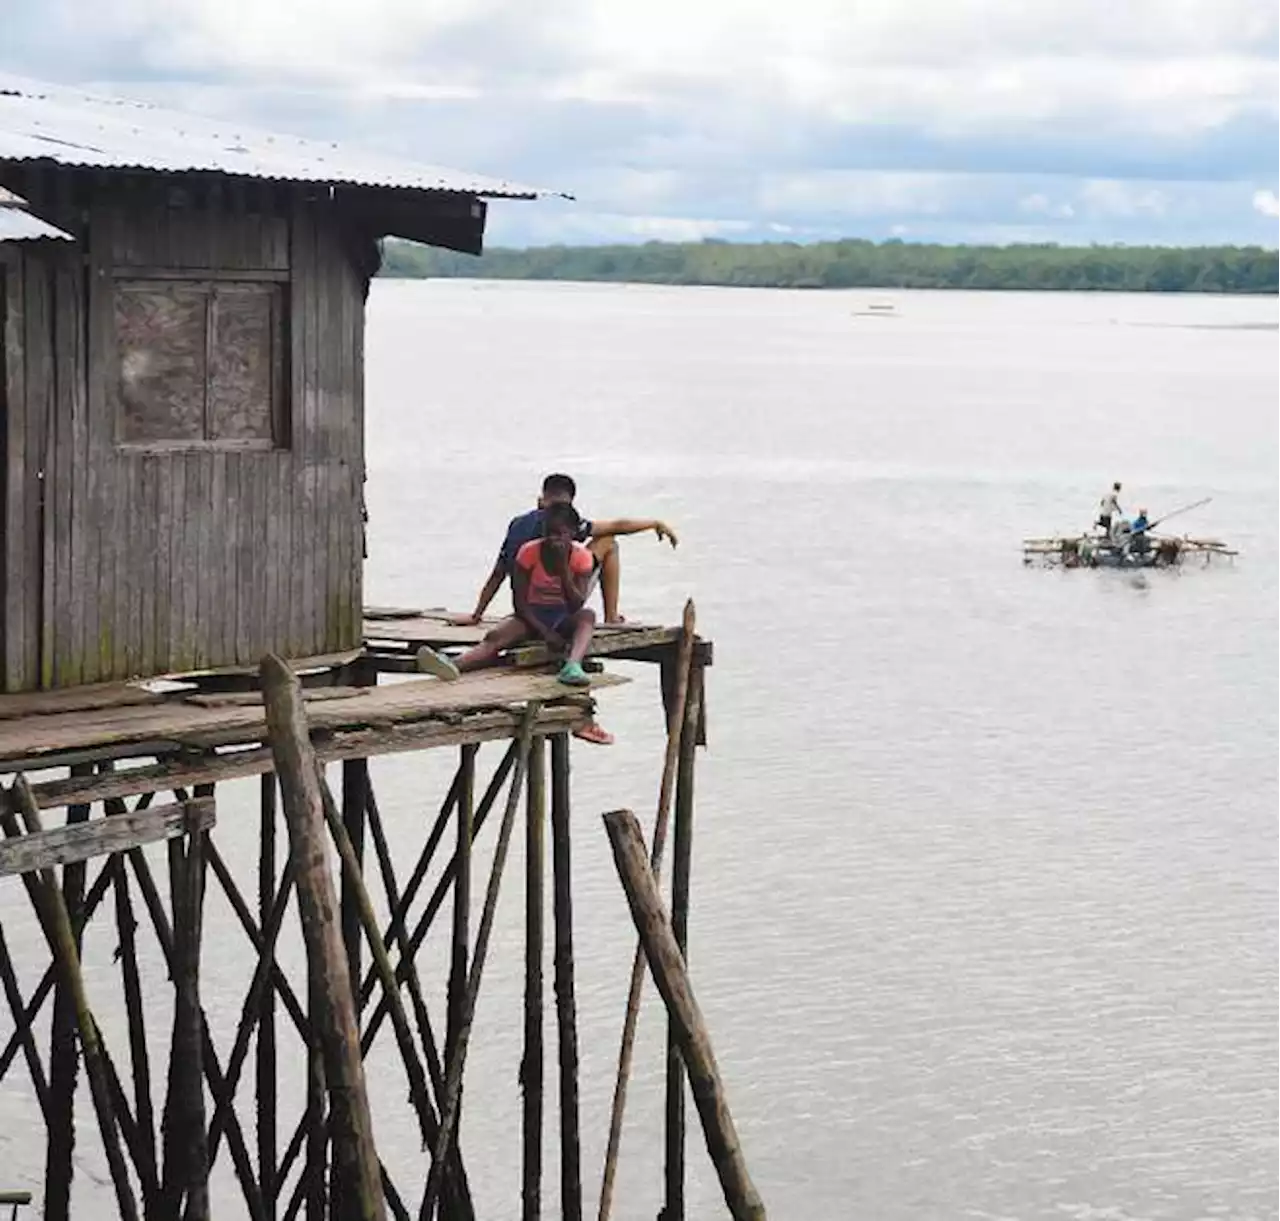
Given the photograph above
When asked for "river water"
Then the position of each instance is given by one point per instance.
(985, 870)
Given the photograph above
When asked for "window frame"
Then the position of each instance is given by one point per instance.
(280, 372)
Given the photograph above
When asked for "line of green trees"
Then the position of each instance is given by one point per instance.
(862, 264)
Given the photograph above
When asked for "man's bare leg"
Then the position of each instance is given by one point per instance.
(606, 551)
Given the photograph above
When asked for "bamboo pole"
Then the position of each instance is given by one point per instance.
(672, 979)
(531, 1065)
(265, 1045)
(461, 935)
(184, 1185)
(41, 994)
(355, 782)
(400, 910)
(56, 921)
(457, 1191)
(368, 920)
(566, 1006)
(22, 1027)
(139, 1056)
(453, 1077)
(682, 852)
(675, 732)
(63, 1052)
(211, 1066)
(357, 1186)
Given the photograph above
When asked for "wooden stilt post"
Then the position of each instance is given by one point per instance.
(139, 1055)
(55, 919)
(668, 969)
(566, 1005)
(63, 1051)
(682, 849)
(418, 1092)
(461, 939)
(185, 1183)
(532, 1062)
(453, 1077)
(265, 1047)
(355, 784)
(357, 1186)
(675, 731)
(22, 1027)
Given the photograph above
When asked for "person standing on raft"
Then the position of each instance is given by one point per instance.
(1109, 509)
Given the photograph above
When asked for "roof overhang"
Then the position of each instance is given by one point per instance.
(58, 126)
(18, 225)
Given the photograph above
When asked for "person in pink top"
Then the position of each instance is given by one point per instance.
(550, 582)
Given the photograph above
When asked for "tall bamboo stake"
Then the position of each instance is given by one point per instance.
(675, 732)
(682, 851)
(139, 1056)
(63, 1052)
(669, 973)
(357, 1184)
(184, 1186)
(566, 1006)
(265, 1046)
(532, 1061)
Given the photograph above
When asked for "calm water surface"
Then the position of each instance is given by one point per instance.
(985, 904)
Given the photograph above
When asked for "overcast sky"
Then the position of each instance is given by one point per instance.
(967, 120)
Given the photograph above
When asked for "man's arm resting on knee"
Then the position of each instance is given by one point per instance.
(628, 525)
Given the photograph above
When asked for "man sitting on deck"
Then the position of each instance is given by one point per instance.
(599, 536)
(550, 581)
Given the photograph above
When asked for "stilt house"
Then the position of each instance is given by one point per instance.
(182, 305)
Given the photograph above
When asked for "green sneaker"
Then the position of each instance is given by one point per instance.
(573, 675)
(431, 662)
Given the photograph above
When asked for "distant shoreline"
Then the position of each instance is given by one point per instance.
(886, 266)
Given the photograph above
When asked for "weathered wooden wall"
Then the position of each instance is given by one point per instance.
(126, 559)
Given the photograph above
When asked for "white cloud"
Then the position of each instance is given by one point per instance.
(1081, 119)
(1266, 203)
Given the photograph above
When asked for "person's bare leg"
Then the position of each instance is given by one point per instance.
(508, 632)
(584, 623)
(606, 551)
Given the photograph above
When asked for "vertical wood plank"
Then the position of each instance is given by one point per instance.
(17, 580)
(177, 511)
(301, 252)
(149, 533)
(100, 476)
(42, 401)
(67, 666)
(161, 633)
(273, 639)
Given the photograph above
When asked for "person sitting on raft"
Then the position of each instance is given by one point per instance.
(550, 581)
(1138, 541)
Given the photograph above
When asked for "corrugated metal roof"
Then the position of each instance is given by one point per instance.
(40, 121)
(18, 225)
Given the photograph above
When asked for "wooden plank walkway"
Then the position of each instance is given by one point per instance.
(210, 723)
(408, 628)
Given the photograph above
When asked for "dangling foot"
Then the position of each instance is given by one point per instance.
(594, 734)
(573, 675)
(431, 662)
